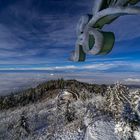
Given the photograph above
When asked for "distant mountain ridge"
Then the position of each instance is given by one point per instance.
(46, 90)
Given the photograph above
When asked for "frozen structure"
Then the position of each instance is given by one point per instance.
(91, 37)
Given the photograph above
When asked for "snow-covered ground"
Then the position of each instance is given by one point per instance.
(62, 118)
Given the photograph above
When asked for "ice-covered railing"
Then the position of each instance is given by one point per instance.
(91, 38)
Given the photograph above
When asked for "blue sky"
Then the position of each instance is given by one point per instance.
(40, 35)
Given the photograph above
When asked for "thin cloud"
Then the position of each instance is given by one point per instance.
(123, 30)
(132, 80)
(31, 34)
(95, 66)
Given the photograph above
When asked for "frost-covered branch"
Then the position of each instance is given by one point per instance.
(91, 38)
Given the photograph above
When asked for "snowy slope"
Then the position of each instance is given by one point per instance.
(87, 116)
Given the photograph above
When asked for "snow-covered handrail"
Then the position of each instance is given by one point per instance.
(91, 38)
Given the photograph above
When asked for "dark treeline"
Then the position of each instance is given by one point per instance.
(46, 90)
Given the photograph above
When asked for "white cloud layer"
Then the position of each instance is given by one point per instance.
(101, 66)
(132, 80)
